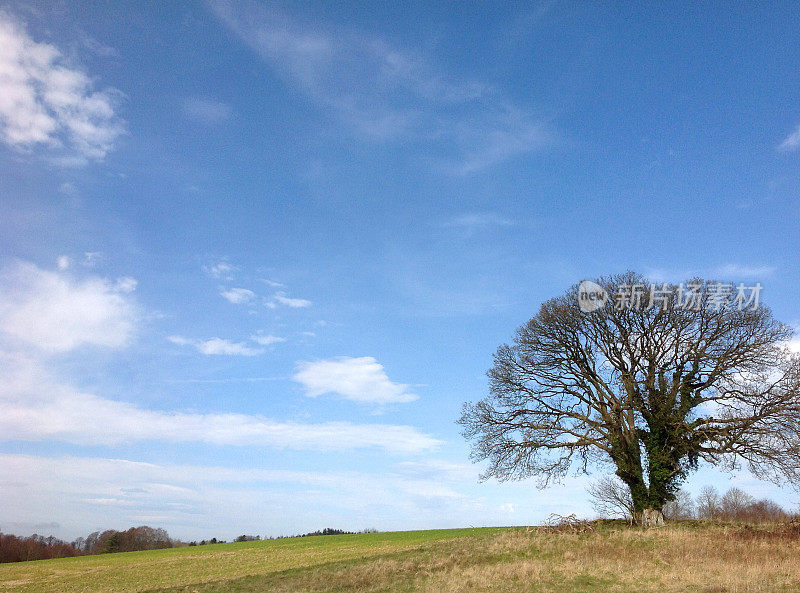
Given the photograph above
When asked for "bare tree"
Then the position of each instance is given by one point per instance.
(651, 389)
(680, 507)
(735, 504)
(91, 541)
(611, 498)
(766, 511)
(708, 503)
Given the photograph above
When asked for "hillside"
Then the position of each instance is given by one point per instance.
(685, 557)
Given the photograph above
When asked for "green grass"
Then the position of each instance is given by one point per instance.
(158, 569)
(692, 557)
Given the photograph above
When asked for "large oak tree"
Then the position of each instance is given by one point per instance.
(652, 387)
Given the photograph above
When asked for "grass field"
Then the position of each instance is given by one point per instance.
(685, 557)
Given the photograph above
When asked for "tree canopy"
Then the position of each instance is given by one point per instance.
(659, 379)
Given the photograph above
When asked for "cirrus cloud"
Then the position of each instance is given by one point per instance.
(791, 142)
(217, 346)
(383, 93)
(206, 111)
(266, 339)
(35, 408)
(290, 302)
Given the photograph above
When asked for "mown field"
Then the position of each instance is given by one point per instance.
(612, 557)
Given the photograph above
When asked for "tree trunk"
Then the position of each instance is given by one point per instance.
(650, 518)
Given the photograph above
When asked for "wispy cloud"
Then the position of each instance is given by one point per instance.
(238, 296)
(792, 141)
(794, 343)
(45, 102)
(84, 491)
(34, 408)
(440, 469)
(358, 379)
(126, 284)
(506, 133)
(384, 93)
(44, 312)
(475, 221)
(55, 312)
(92, 258)
(206, 111)
(738, 271)
(283, 299)
(221, 270)
(266, 339)
(217, 346)
(227, 380)
(224, 270)
(728, 272)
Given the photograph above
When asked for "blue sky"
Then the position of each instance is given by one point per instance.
(255, 257)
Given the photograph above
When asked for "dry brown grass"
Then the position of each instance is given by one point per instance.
(671, 559)
(689, 557)
(678, 558)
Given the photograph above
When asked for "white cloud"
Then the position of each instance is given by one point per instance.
(266, 339)
(83, 493)
(738, 271)
(68, 189)
(384, 93)
(225, 271)
(440, 469)
(496, 137)
(57, 313)
(792, 141)
(63, 262)
(35, 408)
(732, 272)
(794, 342)
(217, 346)
(92, 258)
(238, 296)
(226, 347)
(97, 47)
(126, 284)
(79, 494)
(359, 379)
(473, 221)
(281, 298)
(44, 102)
(206, 111)
(221, 269)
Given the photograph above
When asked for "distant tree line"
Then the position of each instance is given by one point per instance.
(736, 505)
(14, 548)
(37, 547)
(132, 540)
(611, 498)
(204, 542)
(256, 538)
(328, 531)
